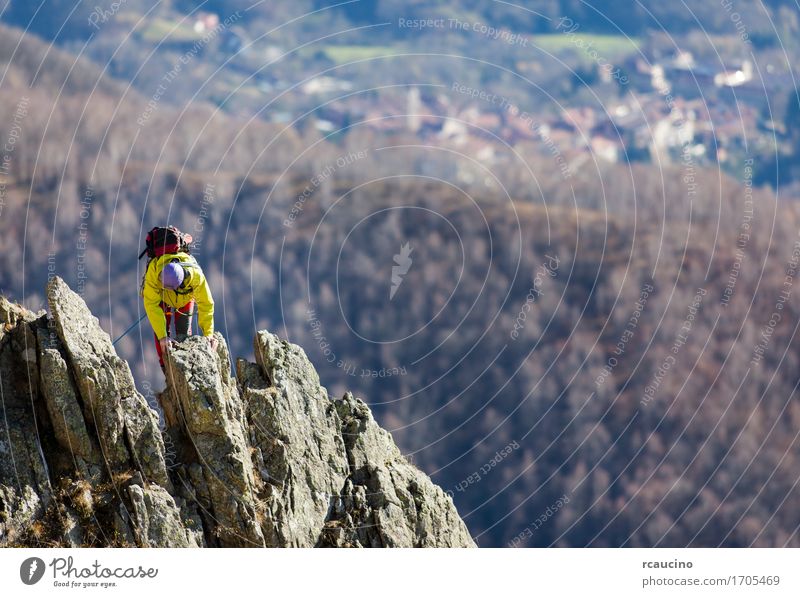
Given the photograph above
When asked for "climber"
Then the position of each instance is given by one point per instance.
(173, 285)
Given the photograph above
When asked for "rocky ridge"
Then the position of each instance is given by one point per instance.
(261, 459)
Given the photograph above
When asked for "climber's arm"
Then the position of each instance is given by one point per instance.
(151, 298)
(205, 307)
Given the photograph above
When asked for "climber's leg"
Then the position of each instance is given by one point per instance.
(168, 315)
(183, 321)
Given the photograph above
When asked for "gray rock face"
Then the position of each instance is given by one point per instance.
(61, 399)
(158, 520)
(261, 459)
(107, 388)
(211, 417)
(297, 437)
(359, 490)
(389, 502)
(25, 489)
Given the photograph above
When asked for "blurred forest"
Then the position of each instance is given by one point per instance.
(65, 19)
(701, 452)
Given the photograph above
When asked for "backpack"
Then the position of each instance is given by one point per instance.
(162, 240)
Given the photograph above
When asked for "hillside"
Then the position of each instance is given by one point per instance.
(591, 337)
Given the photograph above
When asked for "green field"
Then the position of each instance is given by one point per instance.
(343, 54)
(606, 45)
(159, 30)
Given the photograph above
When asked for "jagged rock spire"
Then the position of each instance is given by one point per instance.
(261, 459)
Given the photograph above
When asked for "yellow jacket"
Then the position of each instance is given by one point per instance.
(194, 287)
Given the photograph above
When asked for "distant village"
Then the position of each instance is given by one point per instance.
(671, 109)
(665, 110)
